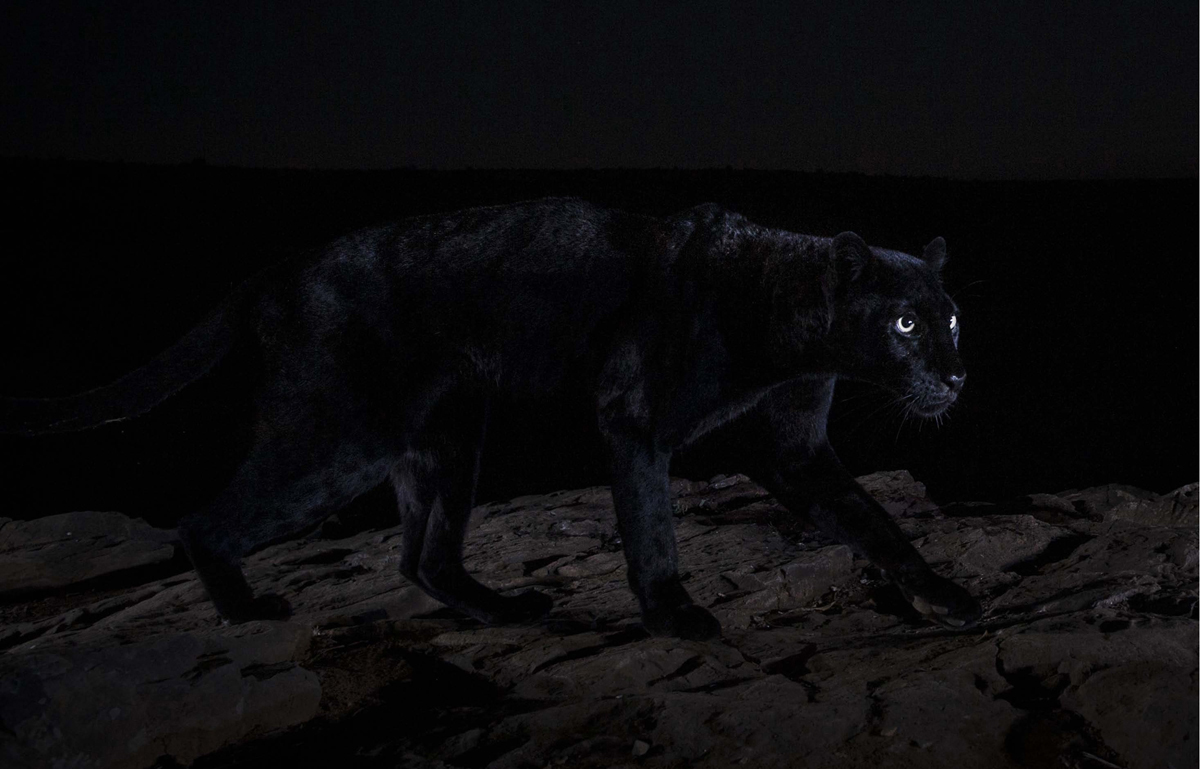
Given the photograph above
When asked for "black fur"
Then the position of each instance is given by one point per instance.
(379, 354)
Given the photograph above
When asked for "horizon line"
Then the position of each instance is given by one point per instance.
(201, 162)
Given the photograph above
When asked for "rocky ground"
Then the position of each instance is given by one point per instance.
(110, 656)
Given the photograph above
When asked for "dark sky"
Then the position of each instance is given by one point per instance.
(961, 89)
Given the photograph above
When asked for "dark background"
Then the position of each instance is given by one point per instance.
(1019, 89)
(1054, 148)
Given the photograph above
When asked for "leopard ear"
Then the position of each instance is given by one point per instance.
(852, 256)
(935, 253)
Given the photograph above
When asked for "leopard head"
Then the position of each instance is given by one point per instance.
(893, 324)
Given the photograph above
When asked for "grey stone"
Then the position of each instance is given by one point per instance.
(1155, 695)
(61, 550)
(182, 695)
(1087, 646)
(898, 492)
(971, 547)
(796, 583)
(1128, 503)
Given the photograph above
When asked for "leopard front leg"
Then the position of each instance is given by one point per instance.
(822, 489)
(641, 497)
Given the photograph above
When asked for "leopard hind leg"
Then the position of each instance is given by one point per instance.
(285, 484)
(435, 490)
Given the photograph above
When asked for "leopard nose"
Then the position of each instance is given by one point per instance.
(954, 382)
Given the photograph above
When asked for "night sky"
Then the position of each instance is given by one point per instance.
(965, 90)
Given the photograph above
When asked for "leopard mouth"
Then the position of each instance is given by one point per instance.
(932, 407)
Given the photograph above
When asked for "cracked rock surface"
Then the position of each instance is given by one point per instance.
(1086, 656)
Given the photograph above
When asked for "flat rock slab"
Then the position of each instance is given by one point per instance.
(61, 550)
(1086, 655)
(183, 695)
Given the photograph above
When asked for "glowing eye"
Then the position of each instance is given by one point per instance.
(953, 322)
(906, 323)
